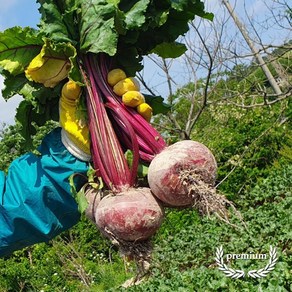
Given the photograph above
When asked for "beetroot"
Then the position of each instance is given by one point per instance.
(125, 214)
(93, 197)
(132, 215)
(176, 175)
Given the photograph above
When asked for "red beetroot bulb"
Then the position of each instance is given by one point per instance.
(175, 171)
(132, 215)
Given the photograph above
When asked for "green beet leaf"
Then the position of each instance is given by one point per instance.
(57, 20)
(13, 84)
(135, 17)
(125, 30)
(157, 103)
(39, 106)
(169, 50)
(97, 27)
(17, 47)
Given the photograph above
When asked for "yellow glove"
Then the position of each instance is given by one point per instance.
(75, 133)
(128, 88)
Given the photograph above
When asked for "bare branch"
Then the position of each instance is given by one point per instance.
(266, 102)
(191, 121)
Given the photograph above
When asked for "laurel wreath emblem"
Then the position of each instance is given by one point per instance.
(268, 268)
(236, 274)
(226, 270)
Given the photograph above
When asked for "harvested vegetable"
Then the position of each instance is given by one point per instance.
(134, 215)
(120, 216)
(168, 172)
(183, 175)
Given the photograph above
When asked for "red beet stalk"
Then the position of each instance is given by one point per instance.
(108, 155)
(149, 140)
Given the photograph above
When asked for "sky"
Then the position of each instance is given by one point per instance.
(25, 13)
(15, 13)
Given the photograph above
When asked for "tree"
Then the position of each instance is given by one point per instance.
(218, 69)
(254, 50)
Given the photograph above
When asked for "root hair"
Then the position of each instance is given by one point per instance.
(205, 198)
(138, 252)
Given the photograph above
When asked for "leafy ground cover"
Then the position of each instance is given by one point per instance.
(184, 251)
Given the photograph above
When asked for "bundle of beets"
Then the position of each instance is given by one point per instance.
(85, 42)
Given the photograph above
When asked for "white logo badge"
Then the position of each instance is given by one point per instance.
(229, 272)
